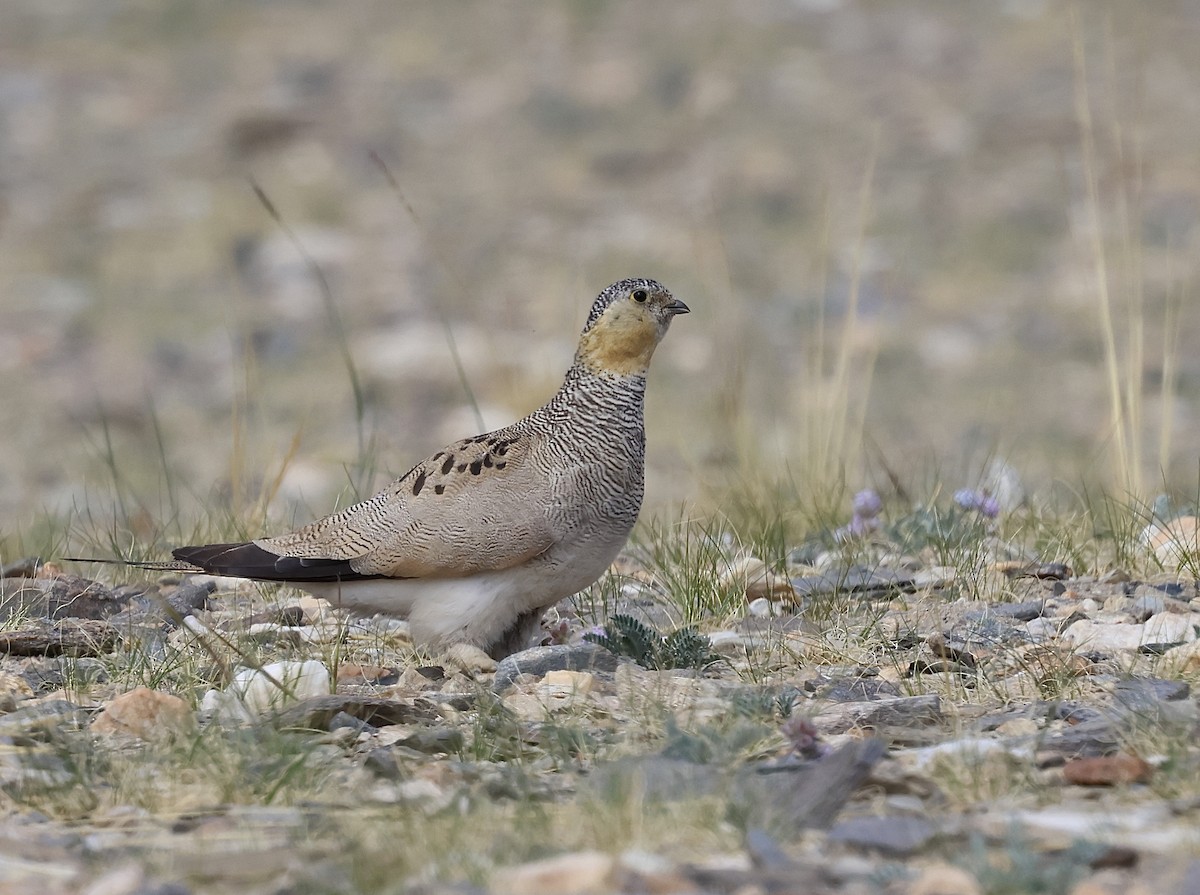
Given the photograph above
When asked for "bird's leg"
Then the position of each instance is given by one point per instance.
(518, 635)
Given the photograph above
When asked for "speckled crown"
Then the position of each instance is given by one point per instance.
(617, 290)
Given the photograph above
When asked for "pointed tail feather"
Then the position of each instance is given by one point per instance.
(245, 560)
(167, 565)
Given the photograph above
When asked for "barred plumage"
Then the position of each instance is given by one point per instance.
(474, 543)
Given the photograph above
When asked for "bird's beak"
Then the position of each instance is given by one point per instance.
(677, 307)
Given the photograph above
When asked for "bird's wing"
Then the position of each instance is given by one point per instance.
(478, 505)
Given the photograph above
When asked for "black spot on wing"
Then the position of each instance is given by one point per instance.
(419, 483)
(448, 465)
(251, 561)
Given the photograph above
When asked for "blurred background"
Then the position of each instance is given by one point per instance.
(914, 237)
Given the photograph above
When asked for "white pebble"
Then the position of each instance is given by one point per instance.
(256, 692)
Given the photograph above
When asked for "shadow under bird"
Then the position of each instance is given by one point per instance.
(473, 544)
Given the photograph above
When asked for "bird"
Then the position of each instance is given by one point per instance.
(474, 543)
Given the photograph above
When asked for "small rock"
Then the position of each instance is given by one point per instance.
(576, 873)
(1185, 658)
(431, 796)
(416, 680)
(1142, 694)
(27, 567)
(382, 762)
(287, 616)
(897, 836)
(355, 671)
(144, 713)
(1092, 635)
(273, 633)
(576, 682)
(1114, 883)
(13, 689)
(69, 637)
(469, 659)
(1018, 727)
(852, 688)
(43, 717)
(727, 642)
(1047, 571)
(557, 691)
(1022, 612)
(902, 711)
(1176, 545)
(125, 879)
(640, 871)
(254, 692)
(540, 660)
(151, 609)
(1146, 605)
(868, 581)
(316, 713)
(1039, 629)
(945, 879)
(433, 740)
(1107, 770)
(757, 581)
(1119, 856)
(346, 724)
(1096, 736)
(764, 851)
(1169, 627)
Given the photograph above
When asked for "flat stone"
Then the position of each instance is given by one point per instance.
(1169, 628)
(1184, 658)
(1090, 738)
(68, 637)
(433, 740)
(864, 580)
(945, 879)
(1146, 605)
(896, 836)
(1142, 693)
(144, 713)
(316, 713)
(856, 689)
(1088, 634)
(42, 718)
(901, 711)
(469, 659)
(1039, 629)
(1107, 770)
(153, 610)
(805, 794)
(1023, 612)
(540, 660)
(576, 873)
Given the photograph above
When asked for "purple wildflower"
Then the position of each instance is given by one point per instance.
(968, 498)
(803, 737)
(989, 507)
(867, 504)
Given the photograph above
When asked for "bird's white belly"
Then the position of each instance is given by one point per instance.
(441, 611)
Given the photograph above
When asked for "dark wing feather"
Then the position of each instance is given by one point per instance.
(248, 560)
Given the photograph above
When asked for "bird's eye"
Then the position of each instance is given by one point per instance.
(640, 295)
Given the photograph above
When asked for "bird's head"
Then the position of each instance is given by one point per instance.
(626, 323)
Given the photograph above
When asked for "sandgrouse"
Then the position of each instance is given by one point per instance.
(473, 544)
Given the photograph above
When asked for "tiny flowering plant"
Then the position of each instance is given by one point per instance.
(981, 502)
(867, 506)
(972, 515)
